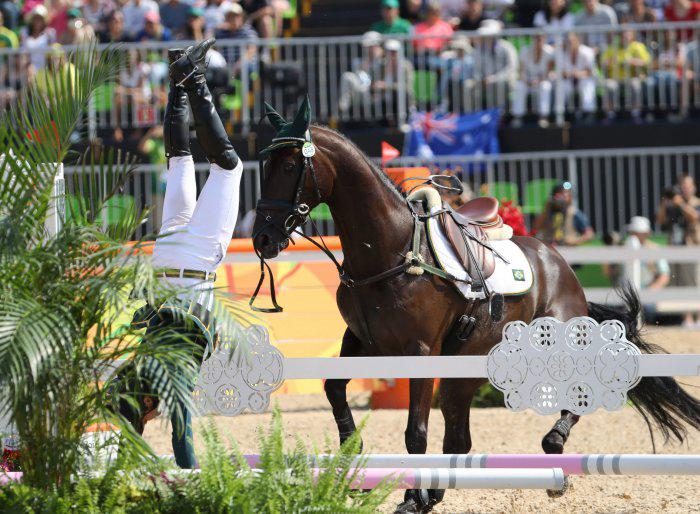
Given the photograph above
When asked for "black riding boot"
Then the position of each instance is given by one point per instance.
(176, 123)
(188, 72)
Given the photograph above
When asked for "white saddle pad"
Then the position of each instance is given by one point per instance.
(509, 278)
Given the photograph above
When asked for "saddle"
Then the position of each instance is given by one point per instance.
(471, 221)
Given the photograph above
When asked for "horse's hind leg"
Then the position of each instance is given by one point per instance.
(554, 441)
(336, 390)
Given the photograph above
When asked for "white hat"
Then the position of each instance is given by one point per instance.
(371, 38)
(38, 10)
(490, 28)
(392, 45)
(639, 225)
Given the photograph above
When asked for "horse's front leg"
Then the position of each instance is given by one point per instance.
(554, 441)
(421, 394)
(336, 390)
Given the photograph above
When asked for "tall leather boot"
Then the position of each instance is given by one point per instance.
(176, 122)
(188, 72)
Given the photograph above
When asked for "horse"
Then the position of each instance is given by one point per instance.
(403, 314)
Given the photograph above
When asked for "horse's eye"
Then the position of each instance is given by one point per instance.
(288, 166)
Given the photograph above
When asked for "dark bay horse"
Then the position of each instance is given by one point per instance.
(406, 314)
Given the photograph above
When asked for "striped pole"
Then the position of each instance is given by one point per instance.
(444, 478)
(571, 464)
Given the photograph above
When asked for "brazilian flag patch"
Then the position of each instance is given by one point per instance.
(519, 275)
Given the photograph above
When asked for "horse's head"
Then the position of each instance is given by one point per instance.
(292, 184)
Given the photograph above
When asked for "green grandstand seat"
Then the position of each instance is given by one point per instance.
(425, 86)
(104, 97)
(504, 191)
(321, 213)
(536, 194)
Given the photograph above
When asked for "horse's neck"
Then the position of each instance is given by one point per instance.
(372, 220)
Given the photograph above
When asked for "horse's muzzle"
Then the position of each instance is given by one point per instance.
(268, 248)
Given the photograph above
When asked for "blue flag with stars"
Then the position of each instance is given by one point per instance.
(435, 134)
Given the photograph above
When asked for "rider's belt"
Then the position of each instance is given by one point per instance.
(205, 276)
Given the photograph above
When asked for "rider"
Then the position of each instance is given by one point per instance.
(195, 233)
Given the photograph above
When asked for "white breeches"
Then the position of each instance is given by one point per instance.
(542, 93)
(586, 92)
(195, 233)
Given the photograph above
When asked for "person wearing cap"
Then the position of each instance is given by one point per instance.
(495, 67)
(391, 23)
(194, 29)
(173, 14)
(536, 78)
(135, 12)
(153, 29)
(78, 31)
(36, 37)
(355, 84)
(396, 73)
(193, 239)
(647, 275)
(235, 26)
(434, 33)
(561, 223)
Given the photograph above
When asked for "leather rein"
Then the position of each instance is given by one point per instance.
(296, 213)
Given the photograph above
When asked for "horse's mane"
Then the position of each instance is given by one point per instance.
(378, 171)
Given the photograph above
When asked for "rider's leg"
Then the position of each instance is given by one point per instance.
(181, 188)
(215, 214)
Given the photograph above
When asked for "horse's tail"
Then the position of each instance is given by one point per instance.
(660, 400)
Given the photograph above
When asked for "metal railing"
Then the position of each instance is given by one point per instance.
(349, 82)
(610, 186)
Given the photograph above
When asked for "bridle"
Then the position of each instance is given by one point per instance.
(291, 214)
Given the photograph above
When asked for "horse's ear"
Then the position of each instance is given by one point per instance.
(276, 120)
(302, 119)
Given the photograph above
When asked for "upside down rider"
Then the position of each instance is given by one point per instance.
(195, 233)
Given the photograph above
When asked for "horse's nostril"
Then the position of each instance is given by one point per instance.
(262, 241)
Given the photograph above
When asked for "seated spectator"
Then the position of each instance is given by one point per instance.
(36, 37)
(194, 29)
(153, 29)
(390, 22)
(691, 67)
(235, 27)
(96, 13)
(395, 75)
(472, 16)
(555, 16)
(648, 275)
(683, 10)
(438, 31)
(536, 74)
(664, 86)
(457, 65)
(595, 14)
(561, 223)
(115, 32)
(173, 14)
(411, 10)
(578, 74)
(58, 16)
(636, 11)
(214, 14)
(624, 66)
(355, 84)
(135, 12)
(10, 13)
(56, 65)
(495, 67)
(260, 14)
(8, 39)
(78, 31)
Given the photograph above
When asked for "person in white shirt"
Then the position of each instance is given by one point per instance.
(647, 275)
(536, 65)
(214, 14)
(596, 14)
(577, 65)
(555, 17)
(134, 15)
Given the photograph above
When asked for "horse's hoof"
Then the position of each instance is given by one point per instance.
(553, 442)
(555, 493)
(415, 501)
